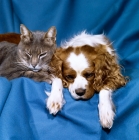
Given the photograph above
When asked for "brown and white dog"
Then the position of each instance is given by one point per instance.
(86, 64)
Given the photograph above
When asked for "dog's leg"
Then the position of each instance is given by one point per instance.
(106, 108)
(55, 100)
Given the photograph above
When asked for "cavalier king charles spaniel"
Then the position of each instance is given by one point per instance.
(86, 64)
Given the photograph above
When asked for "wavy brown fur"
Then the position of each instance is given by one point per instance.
(106, 70)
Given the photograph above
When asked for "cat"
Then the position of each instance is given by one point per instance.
(31, 57)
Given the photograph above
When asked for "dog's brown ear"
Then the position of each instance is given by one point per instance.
(107, 73)
(56, 63)
(10, 37)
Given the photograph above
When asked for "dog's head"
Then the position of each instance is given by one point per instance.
(87, 68)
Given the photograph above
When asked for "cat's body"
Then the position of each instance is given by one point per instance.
(31, 57)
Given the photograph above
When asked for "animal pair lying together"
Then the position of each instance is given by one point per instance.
(85, 64)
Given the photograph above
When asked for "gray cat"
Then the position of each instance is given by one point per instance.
(31, 57)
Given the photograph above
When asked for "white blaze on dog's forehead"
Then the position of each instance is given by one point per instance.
(77, 62)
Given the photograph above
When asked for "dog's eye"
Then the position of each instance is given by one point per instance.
(69, 77)
(88, 75)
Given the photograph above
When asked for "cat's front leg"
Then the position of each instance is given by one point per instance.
(41, 76)
(55, 101)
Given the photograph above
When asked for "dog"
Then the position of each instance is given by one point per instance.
(86, 64)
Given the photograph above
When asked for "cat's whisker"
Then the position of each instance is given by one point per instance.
(19, 62)
(22, 64)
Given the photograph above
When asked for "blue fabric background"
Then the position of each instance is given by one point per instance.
(23, 115)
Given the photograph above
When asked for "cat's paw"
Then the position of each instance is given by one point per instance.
(106, 115)
(54, 103)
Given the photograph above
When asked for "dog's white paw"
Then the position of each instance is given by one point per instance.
(106, 115)
(55, 103)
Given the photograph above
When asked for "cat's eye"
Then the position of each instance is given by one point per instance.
(43, 54)
(28, 54)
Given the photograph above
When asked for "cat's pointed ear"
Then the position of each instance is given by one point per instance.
(26, 34)
(51, 33)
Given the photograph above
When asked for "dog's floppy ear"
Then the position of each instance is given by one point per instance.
(107, 72)
(56, 63)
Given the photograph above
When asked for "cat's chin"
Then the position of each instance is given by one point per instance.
(35, 70)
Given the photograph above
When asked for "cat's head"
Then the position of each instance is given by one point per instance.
(36, 49)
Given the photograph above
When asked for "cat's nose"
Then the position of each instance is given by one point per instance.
(34, 61)
(34, 65)
(34, 68)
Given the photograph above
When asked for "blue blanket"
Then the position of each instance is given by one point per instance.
(23, 115)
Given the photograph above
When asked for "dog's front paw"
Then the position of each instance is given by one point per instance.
(106, 115)
(54, 103)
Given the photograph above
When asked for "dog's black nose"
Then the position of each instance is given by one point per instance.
(80, 91)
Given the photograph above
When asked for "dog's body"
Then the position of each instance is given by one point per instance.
(86, 64)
